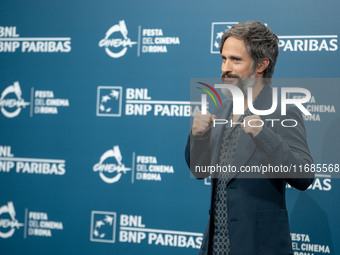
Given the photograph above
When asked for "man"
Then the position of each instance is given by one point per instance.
(248, 215)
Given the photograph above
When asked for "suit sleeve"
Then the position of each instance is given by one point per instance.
(197, 155)
(287, 146)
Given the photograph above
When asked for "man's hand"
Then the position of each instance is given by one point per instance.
(256, 125)
(202, 124)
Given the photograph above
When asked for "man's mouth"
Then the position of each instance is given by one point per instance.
(229, 79)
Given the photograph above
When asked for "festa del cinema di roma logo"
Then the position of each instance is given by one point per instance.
(116, 41)
(110, 166)
(11, 102)
(8, 224)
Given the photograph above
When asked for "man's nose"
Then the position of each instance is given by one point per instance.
(226, 66)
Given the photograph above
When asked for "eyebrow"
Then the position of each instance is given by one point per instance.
(232, 57)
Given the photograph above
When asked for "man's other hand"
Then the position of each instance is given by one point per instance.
(255, 126)
(202, 124)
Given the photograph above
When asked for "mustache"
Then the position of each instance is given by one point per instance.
(229, 75)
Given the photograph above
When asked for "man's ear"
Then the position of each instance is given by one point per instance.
(262, 66)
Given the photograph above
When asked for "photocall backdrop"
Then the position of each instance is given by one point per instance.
(95, 114)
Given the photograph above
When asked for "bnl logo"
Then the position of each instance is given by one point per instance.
(109, 101)
(103, 226)
(217, 31)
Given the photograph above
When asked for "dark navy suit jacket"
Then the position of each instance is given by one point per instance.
(257, 215)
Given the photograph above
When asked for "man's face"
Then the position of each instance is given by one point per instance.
(237, 65)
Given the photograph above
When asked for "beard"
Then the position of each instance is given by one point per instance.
(241, 83)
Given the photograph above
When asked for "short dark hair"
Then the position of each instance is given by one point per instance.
(259, 40)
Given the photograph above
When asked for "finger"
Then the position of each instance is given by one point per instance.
(246, 130)
(203, 121)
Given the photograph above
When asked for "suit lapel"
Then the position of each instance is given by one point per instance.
(244, 150)
(217, 132)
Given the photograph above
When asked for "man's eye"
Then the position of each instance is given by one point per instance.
(236, 59)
